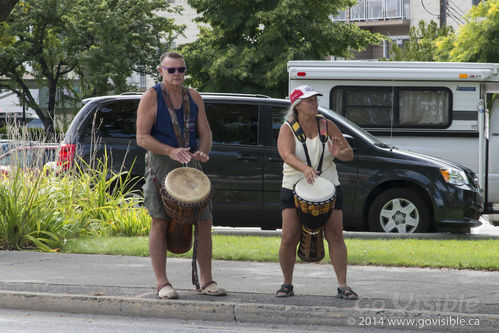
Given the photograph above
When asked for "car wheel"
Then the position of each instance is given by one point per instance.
(398, 210)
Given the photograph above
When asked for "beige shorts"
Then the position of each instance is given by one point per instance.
(161, 165)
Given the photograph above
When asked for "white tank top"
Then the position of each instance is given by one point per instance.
(314, 146)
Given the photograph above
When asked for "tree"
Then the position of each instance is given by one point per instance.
(6, 7)
(421, 46)
(95, 43)
(475, 41)
(244, 45)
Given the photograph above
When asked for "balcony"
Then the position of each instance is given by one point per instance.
(376, 12)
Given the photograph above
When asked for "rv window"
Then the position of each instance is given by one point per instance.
(393, 107)
(365, 106)
(423, 107)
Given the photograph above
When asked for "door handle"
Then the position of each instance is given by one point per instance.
(247, 158)
(275, 159)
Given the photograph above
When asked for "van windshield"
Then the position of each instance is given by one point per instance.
(354, 127)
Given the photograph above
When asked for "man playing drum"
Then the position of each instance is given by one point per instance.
(168, 113)
(301, 160)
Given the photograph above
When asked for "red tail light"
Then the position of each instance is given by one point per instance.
(66, 156)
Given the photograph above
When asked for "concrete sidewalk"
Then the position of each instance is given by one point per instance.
(437, 299)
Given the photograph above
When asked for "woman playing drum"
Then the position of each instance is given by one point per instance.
(304, 109)
(168, 114)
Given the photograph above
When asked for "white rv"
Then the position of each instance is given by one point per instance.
(433, 108)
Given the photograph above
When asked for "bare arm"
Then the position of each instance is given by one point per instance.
(146, 115)
(203, 128)
(286, 148)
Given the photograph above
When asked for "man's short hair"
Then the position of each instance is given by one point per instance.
(173, 55)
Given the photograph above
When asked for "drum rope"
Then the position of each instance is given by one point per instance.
(195, 278)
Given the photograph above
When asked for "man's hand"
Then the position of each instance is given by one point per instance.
(181, 155)
(200, 156)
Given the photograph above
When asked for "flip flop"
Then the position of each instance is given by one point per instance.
(286, 290)
(346, 293)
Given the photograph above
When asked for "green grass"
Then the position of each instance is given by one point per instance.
(458, 254)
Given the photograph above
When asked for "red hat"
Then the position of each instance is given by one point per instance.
(302, 92)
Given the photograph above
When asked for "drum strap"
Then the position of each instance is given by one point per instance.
(300, 134)
(182, 141)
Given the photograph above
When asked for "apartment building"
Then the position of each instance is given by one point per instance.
(394, 18)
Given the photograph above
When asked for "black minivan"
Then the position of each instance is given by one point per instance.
(385, 189)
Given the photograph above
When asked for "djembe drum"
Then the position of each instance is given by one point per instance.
(185, 192)
(314, 204)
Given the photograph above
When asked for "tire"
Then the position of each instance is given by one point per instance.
(399, 210)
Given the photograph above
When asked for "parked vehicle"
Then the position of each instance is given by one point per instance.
(33, 156)
(437, 109)
(29, 118)
(385, 189)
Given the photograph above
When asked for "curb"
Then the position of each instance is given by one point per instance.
(361, 235)
(249, 313)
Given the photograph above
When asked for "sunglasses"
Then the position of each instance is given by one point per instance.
(312, 99)
(172, 70)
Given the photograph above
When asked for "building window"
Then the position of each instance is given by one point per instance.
(358, 12)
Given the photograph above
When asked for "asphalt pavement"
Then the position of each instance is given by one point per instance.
(404, 298)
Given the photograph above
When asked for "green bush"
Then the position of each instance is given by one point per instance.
(42, 209)
(28, 212)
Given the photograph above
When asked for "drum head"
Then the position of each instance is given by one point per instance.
(322, 190)
(187, 185)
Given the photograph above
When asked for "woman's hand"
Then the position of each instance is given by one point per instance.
(334, 146)
(310, 174)
(200, 156)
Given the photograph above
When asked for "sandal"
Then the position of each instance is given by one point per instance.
(166, 290)
(346, 293)
(286, 290)
(211, 288)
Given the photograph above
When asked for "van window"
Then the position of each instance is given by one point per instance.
(393, 107)
(233, 123)
(114, 120)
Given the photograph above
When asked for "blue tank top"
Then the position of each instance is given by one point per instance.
(163, 130)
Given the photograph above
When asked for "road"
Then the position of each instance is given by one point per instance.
(18, 321)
